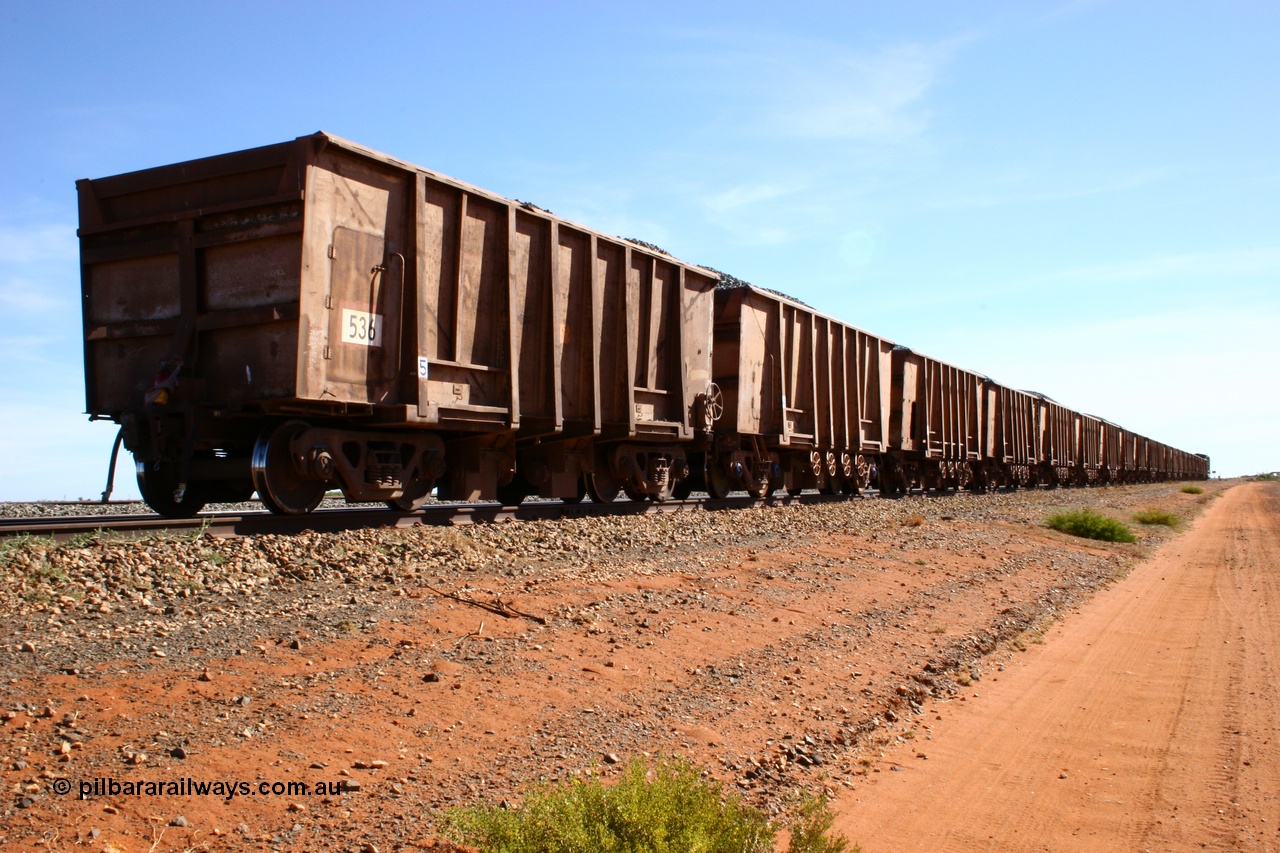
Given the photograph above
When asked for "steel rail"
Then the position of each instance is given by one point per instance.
(331, 520)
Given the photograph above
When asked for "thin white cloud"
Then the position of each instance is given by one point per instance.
(814, 89)
(845, 95)
(821, 122)
(810, 128)
(25, 296)
(1228, 271)
(39, 297)
(38, 244)
(1240, 262)
(747, 195)
(1025, 187)
(1075, 8)
(1231, 328)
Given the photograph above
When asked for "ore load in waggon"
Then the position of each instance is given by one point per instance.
(315, 315)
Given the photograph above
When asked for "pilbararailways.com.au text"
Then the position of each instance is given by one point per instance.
(227, 789)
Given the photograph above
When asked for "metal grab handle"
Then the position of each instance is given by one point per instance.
(401, 307)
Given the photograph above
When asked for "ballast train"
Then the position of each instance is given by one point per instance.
(315, 315)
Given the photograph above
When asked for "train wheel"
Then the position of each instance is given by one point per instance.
(603, 488)
(683, 489)
(415, 496)
(719, 483)
(157, 486)
(282, 489)
(862, 473)
(514, 492)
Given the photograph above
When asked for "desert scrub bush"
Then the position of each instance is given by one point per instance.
(1193, 490)
(1091, 525)
(662, 806)
(1157, 516)
(810, 825)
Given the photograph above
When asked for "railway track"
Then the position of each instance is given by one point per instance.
(249, 523)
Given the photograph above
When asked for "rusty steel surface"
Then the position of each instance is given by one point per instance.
(947, 426)
(803, 394)
(798, 377)
(937, 408)
(328, 240)
(206, 253)
(1015, 423)
(320, 279)
(1057, 442)
(315, 314)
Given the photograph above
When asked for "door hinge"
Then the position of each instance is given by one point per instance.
(328, 301)
(332, 253)
(327, 352)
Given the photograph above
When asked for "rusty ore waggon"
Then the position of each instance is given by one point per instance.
(802, 399)
(315, 315)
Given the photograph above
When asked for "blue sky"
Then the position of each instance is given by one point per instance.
(1080, 198)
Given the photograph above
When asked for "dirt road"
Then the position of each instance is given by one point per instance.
(1147, 721)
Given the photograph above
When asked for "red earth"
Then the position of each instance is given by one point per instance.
(952, 673)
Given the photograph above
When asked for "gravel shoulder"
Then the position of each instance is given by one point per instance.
(411, 670)
(1146, 721)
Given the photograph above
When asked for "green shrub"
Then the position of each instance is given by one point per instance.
(1193, 490)
(1157, 516)
(660, 807)
(809, 827)
(1091, 525)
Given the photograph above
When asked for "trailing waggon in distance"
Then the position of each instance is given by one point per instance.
(315, 315)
